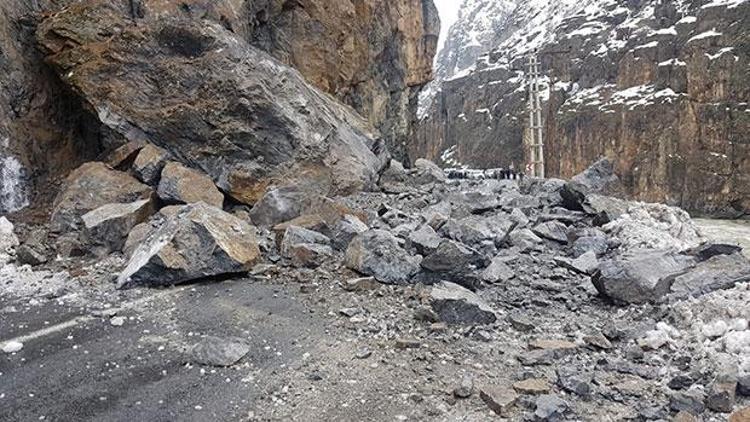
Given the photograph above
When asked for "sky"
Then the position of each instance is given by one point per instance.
(448, 14)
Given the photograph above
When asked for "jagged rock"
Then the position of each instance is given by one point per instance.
(684, 416)
(743, 385)
(244, 118)
(215, 351)
(277, 206)
(312, 222)
(393, 174)
(107, 227)
(182, 185)
(550, 407)
(499, 399)
(346, 229)
(519, 218)
(654, 226)
(600, 178)
(584, 264)
(497, 272)
(122, 157)
(641, 276)
(473, 230)
(454, 260)
(707, 251)
(426, 172)
(524, 239)
(436, 215)
(465, 389)
(598, 341)
(149, 163)
(721, 397)
(305, 248)
(377, 253)
(597, 244)
(89, 187)
(718, 272)
(690, 400)
(521, 323)
(556, 345)
(191, 242)
(425, 240)
(8, 241)
(458, 305)
(552, 230)
(362, 284)
(574, 381)
(27, 254)
(532, 386)
(741, 415)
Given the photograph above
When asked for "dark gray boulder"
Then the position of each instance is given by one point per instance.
(457, 305)
(377, 253)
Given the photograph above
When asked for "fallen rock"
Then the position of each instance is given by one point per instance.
(721, 398)
(27, 254)
(121, 158)
(742, 415)
(743, 385)
(521, 323)
(597, 244)
(200, 91)
(532, 386)
(107, 227)
(654, 226)
(465, 389)
(89, 187)
(407, 343)
(575, 381)
(716, 273)
(497, 272)
(458, 305)
(524, 239)
(425, 172)
(149, 163)
(8, 241)
(600, 178)
(545, 344)
(641, 276)
(552, 230)
(305, 248)
(346, 229)
(377, 253)
(277, 206)
(684, 416)
(598, 341)
(214, 351)
(550, 407)
(192, 242)
(690, 400)
(499, 399)
(425, 240)
(453, 259)
(182, 185)
(362, 284)
(584, 264)
(312, 222)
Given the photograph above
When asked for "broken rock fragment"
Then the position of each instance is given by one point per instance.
(378, 253)
(182, 185)
(192, 242)
(457, 305)
(215, 351)
(149, 163)
(106, 228)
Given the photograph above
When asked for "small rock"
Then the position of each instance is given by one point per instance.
(465, 389)
(497, 272)
(149, 163)
(458, 305)
(685, 416)
(426, 314)
(403, 344)
(521, 323)
(361, 284)
(214, 351)
(722, 397)
(584, 264)
(12, 347)
(363, 353)
(598, 341)
(550, 407)
(532, 386)
(26, 254)
(690, 400)
(681, 382)
(574, 381)
(117, 321)
(552, 230)
(425, 240)
(743, 386)
(498, 399)
(345, 230)
(350, 312)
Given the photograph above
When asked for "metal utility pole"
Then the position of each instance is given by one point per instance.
(536, 140)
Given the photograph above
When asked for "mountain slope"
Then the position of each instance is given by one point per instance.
(660, 87)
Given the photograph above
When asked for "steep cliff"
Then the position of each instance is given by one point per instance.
(659, 87)
(373, 55)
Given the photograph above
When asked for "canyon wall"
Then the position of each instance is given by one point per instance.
(659, 87)
(372, 55)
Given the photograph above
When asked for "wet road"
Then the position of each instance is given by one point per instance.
(76, 365)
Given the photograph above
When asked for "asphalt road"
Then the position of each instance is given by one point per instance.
(76, 366)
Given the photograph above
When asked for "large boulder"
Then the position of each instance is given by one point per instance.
(89, 187)
(182, 185)
(600, 178)
(107, 227)
(716, 272)
(377, 253)
(198, 90)
(654, 226)
(191, 242)
(640, 276)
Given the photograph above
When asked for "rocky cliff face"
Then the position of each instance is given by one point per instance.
(659, 87)
(372, 55)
